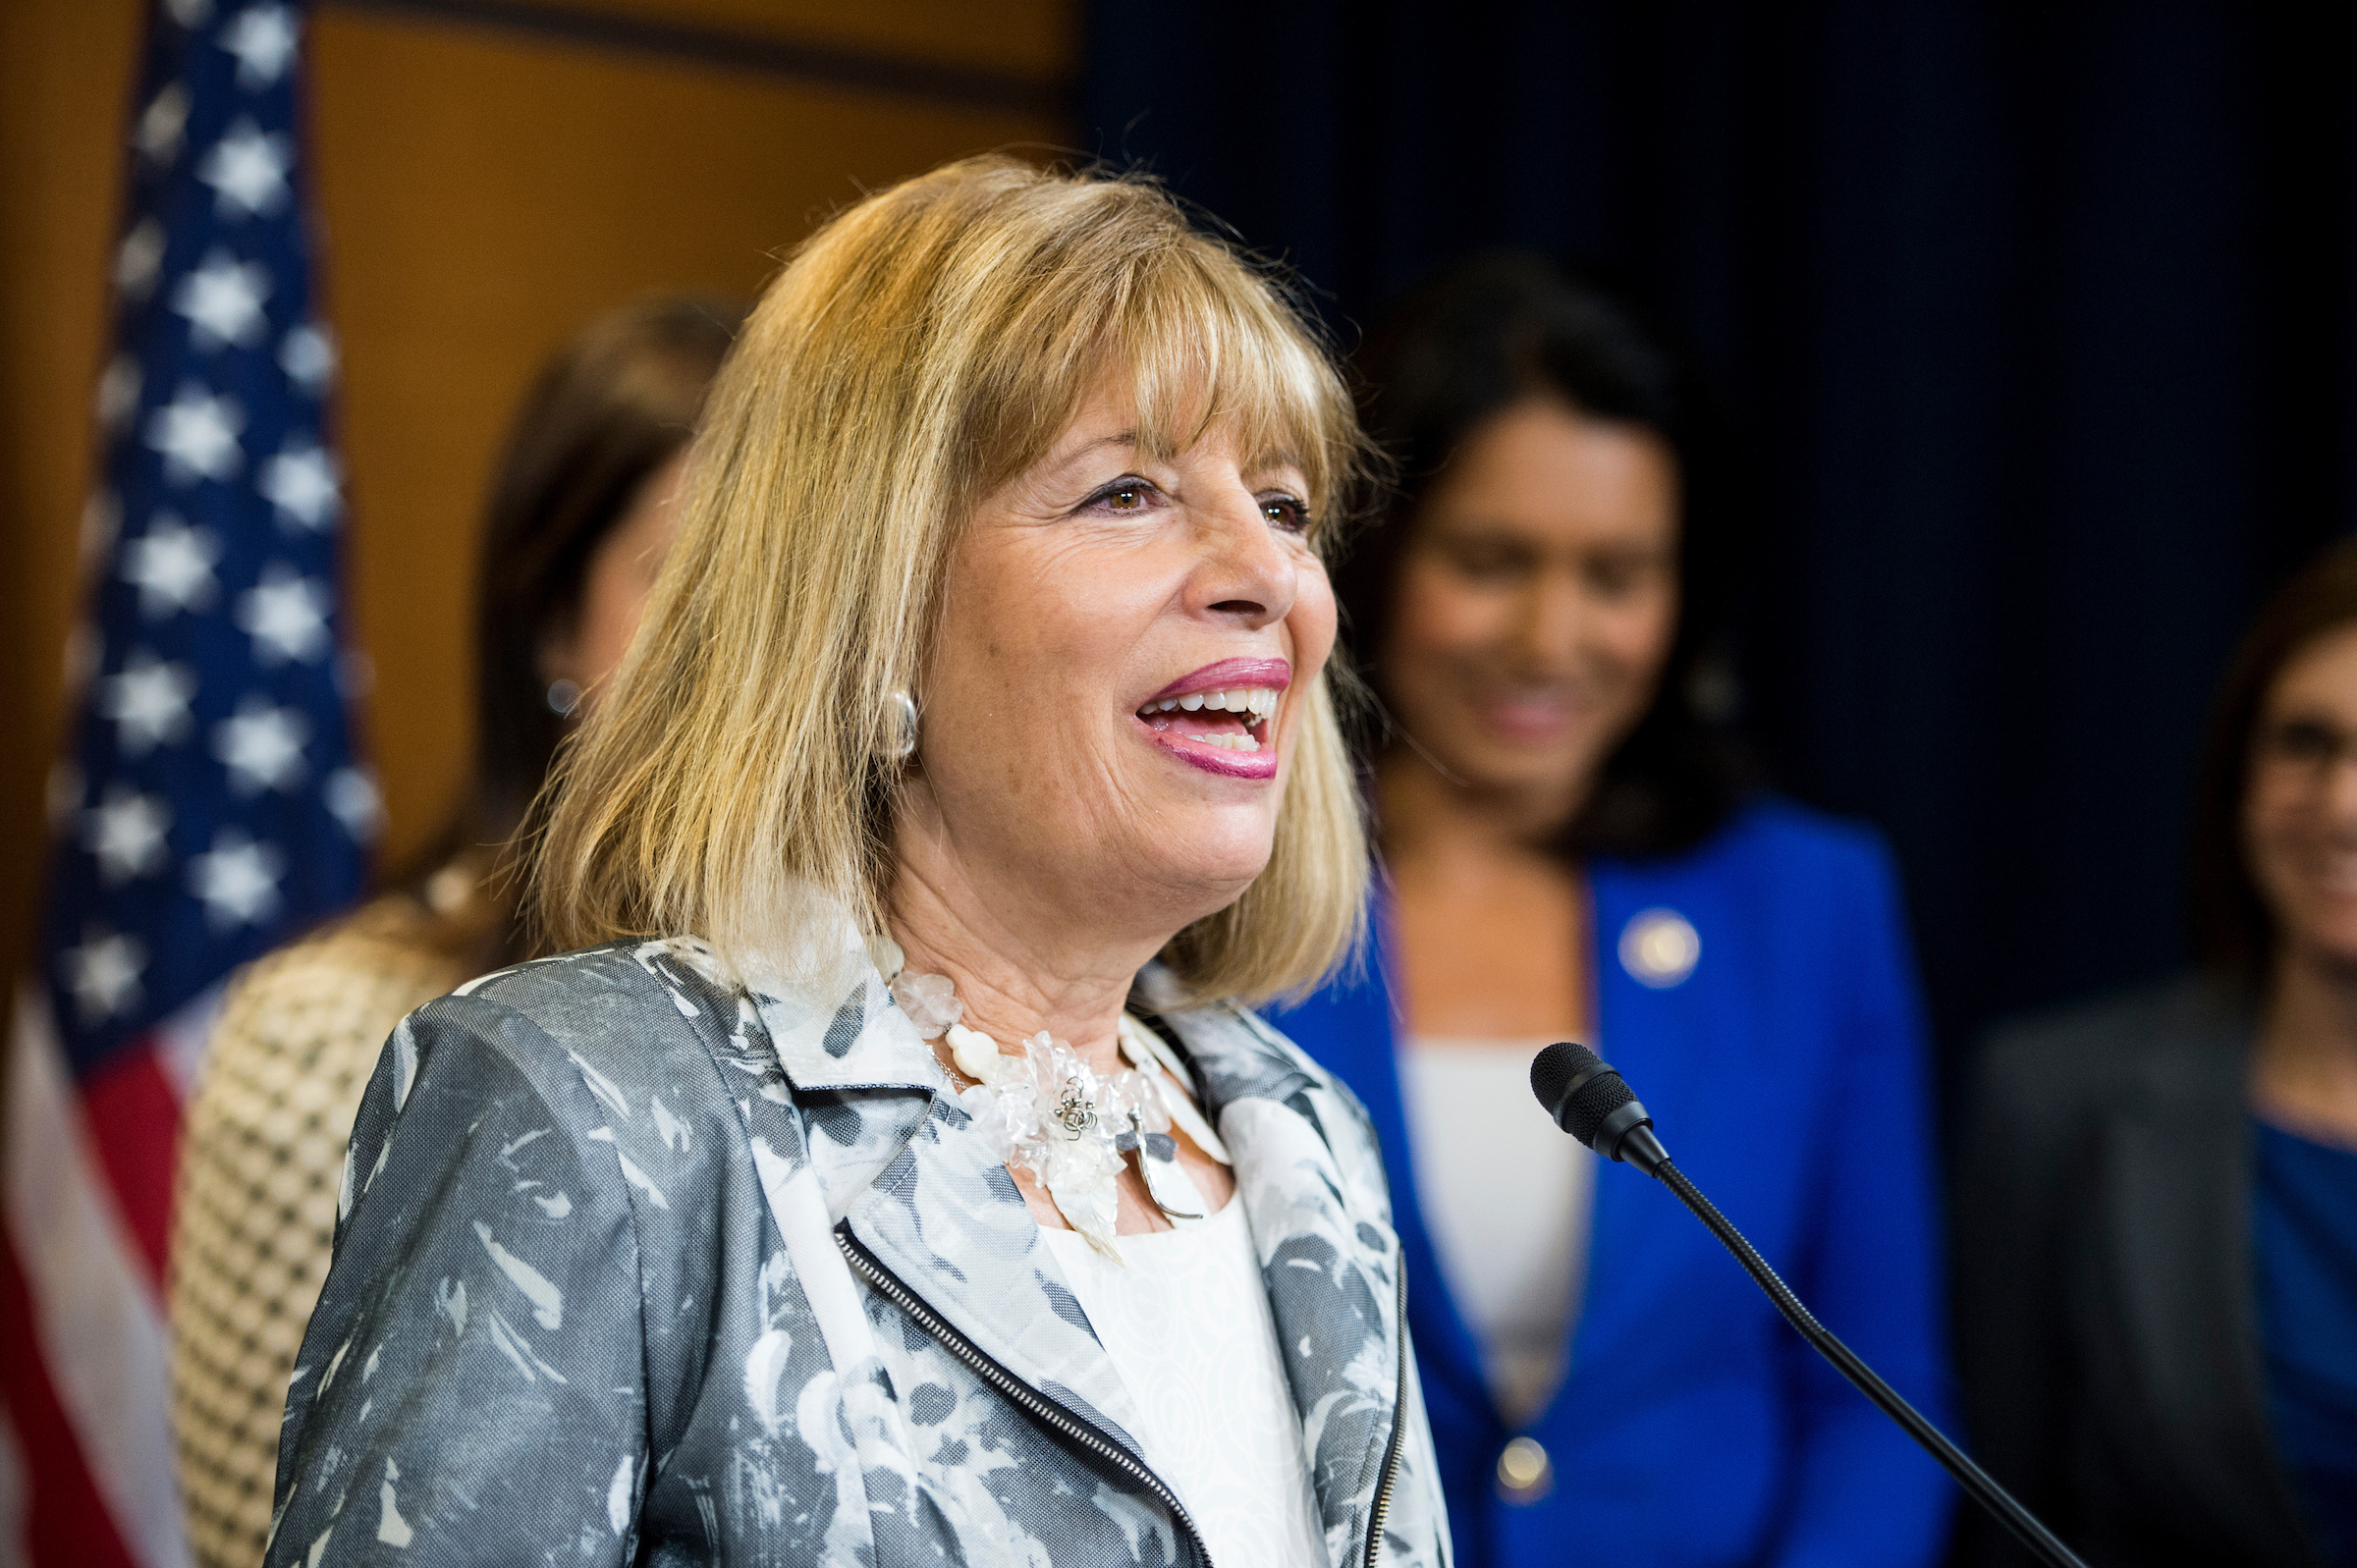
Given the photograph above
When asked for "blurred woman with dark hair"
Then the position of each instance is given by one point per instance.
(2157, 1198)
(579, 517)
(1574, 850)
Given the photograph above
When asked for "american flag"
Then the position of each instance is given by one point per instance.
(207, 806)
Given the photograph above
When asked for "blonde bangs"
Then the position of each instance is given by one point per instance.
(923, 348)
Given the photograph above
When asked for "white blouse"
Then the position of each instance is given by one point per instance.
(1505, 1196)
(1185, 1317)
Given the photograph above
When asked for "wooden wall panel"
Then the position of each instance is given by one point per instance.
(65, 78)
(1032, 40)
(484, 190)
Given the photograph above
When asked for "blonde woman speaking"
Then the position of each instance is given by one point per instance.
(894, 1177)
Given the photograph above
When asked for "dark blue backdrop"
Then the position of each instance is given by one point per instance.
(2037, 320)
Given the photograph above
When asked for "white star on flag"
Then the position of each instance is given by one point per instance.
(139, 258)
(223, 301)
(125, 832)
(197, 434)
(351, 795)
(263, 40)
(190, 14)
(172, 566)
(261, 746)
(247, 171)
(104, 972)
(238, 880)
(286, 614)
(308, 355)
(119, 391)
(160, 128)
(305, 483)
(148, 703)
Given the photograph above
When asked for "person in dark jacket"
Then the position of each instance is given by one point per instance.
(1572, 850)
(2157, 1195)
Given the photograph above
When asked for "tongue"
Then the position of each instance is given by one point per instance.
(1180, 722)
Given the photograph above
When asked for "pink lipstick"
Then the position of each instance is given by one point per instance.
(1218, 717)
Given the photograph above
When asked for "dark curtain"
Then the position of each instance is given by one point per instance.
(2036, 320)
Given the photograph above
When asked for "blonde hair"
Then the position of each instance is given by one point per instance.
(921, 348)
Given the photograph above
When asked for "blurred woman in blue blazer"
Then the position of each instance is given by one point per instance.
(1572, 850)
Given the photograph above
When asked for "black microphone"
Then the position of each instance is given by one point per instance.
(1589, 1100)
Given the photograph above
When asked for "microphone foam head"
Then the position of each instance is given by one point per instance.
(1577, 1088)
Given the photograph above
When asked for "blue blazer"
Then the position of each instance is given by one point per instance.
(1787, 1072)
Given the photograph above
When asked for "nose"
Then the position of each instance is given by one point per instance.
(1245, 575)
(1553, 611)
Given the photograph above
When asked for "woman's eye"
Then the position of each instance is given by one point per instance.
(1123, 498)
(1492, 564)
(1613, 579)
(1287, 513)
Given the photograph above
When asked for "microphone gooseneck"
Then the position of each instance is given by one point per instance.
(1589, 1100)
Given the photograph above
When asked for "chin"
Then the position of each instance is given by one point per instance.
(1520, 769)
(1210, 870)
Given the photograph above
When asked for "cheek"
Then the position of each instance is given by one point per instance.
(2271, 825)
(1028, 645)
(1311, 622)
(1438, 613)
(1636, 630)
(2279, 831)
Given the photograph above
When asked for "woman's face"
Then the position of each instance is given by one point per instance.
(1536, 602)
(621, 574)
(1114, 693)
(2300, 814)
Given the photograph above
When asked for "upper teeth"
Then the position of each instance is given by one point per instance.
(1258, 701)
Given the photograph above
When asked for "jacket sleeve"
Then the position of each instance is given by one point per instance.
(1866, 1494)
(471, 1387)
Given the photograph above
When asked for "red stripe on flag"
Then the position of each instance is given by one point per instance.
(66, 1521)
(132, 1113)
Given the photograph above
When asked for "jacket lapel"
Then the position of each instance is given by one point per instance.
(2175, 1251)
(947, 1219)
(1328, 1253)
(1667, 1040)
(933, 1207)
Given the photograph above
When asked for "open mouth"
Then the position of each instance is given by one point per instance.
(1233, 719)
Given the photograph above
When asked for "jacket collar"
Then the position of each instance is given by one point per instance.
(838, 1027)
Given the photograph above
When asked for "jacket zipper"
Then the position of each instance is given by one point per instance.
(1390, 1453)
(1038, 1406)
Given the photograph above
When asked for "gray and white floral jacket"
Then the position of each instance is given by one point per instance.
(636, 1266)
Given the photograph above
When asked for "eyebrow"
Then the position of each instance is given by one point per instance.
(1121, 438)
(1272, 461)
(1128, 439)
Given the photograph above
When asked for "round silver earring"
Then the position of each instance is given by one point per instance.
(563, 697)
(900, 718)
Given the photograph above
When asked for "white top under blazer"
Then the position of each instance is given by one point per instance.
(1186, 1320)
(1506, 1200)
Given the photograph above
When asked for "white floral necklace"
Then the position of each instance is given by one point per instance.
(1069, 1125)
